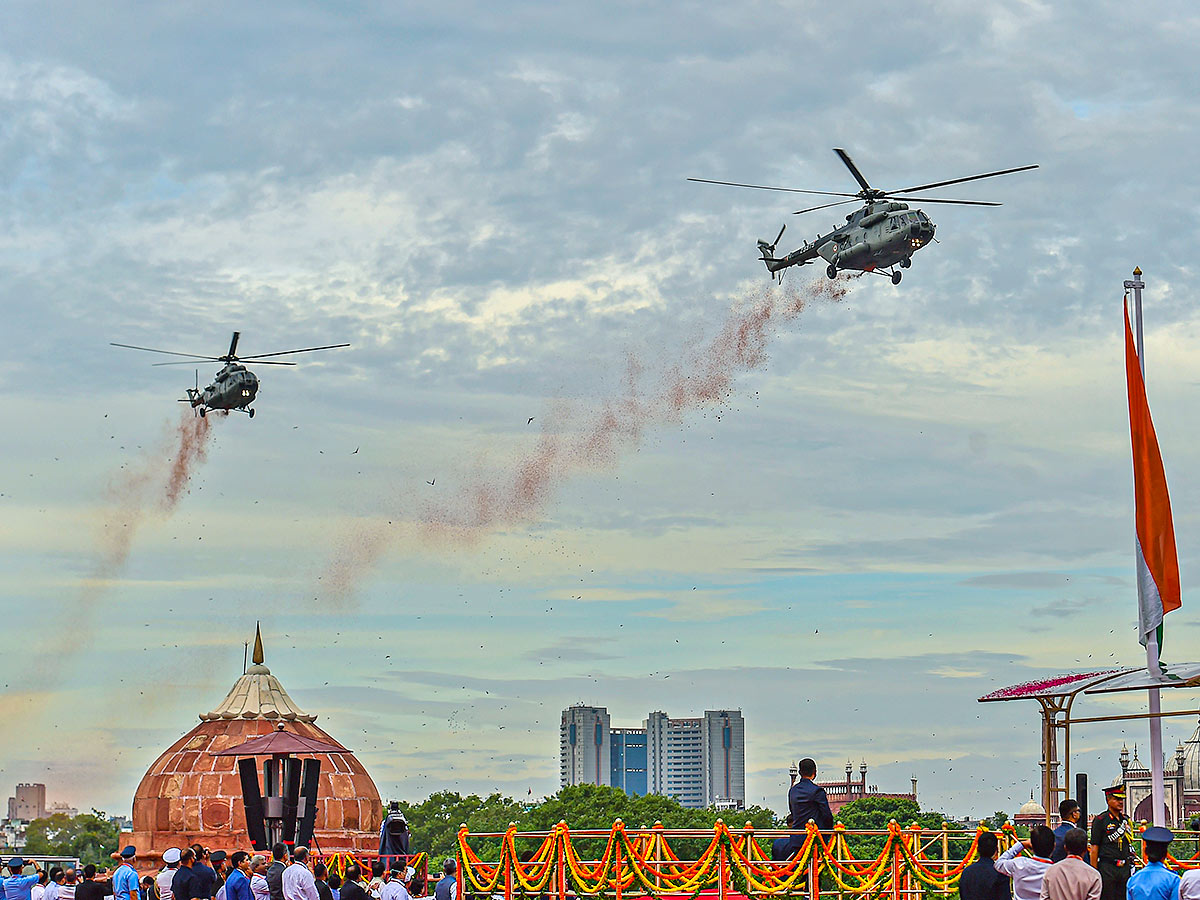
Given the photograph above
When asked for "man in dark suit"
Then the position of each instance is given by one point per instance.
(980, 880)
(275, 871)
(352, 888)
(1068, 817)
(806, 801)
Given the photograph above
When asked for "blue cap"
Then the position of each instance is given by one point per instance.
(1158, 835)
(16, 862)
(129, 852)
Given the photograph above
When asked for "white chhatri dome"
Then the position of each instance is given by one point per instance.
(1032, 808)
(258, 695)
(1191, 762)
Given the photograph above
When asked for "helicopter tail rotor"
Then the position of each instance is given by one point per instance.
(768, 250)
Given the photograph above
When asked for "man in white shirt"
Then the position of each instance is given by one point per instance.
(1189, 885)
(1027, 872)
(66, 891)
(298, 881)
(163, 879)
(258, 878)
(54, 884)
(393, 887)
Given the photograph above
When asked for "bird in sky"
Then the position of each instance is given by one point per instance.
(530, 422)
(431, 482)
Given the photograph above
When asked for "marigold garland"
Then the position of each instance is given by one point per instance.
(645, 862)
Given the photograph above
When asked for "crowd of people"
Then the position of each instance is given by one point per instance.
(1067, 863)
(1070, 863)
(196, 873)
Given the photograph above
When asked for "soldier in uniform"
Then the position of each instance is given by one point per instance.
(1111, 849)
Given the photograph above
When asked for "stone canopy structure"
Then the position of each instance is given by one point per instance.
(189, 795)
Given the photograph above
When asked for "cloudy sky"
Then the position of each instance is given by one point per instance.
(918, 494)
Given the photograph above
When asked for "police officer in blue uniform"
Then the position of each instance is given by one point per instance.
(1156, 881)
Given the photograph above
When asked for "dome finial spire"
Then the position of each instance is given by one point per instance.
(258, 647)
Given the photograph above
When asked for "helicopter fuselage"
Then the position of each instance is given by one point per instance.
(880, 235)
(883, 234)
(235, 387)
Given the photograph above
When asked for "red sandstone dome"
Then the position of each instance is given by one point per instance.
(192, 796)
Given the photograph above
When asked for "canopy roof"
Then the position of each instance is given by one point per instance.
(1053, 686)
(281, 743)
(1175, 675)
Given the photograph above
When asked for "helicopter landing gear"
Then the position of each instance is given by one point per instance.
(831, 271)
(906, 262)
(251, 412)
(895, 278)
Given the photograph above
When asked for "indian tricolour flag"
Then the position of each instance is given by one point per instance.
(1157, 563)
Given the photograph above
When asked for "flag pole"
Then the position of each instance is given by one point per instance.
(1157, 790)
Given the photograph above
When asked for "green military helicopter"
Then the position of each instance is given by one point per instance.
(880, 237)
(235, 386)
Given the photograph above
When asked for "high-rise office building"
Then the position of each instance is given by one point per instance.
(723, 757)
(29, 802)
(583, 739)
(699, 761)
(628, 755)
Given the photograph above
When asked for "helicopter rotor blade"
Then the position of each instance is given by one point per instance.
(302, 350)
(935, 184)
(168, 352)
(184, 362)
(858, 176)
(764, 187)
(823, 206)
(233, 346)
(938, 200)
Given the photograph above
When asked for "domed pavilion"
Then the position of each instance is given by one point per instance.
(1031, 813)
(190, 795)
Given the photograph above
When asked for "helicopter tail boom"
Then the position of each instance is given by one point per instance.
(774, 264)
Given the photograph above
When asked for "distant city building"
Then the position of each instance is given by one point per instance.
(723, 758)
(12, 836)
(700, 761)
(584, 756)
(60, 808)
(628, 756)
(28, 802)
(842, 792)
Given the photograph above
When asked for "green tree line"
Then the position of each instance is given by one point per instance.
(435, 821)
(88, 836)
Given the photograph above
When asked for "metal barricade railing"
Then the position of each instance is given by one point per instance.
(628, 863)
(339, 861)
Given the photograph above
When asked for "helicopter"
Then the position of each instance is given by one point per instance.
(235, 386)
(883, 235)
